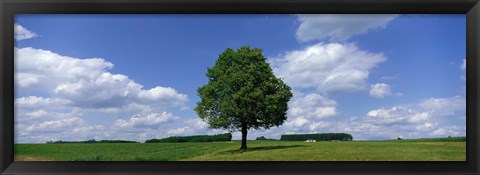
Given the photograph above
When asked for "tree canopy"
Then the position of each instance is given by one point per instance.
(243, 93)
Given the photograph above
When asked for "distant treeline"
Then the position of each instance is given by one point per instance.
(91, 141)
(317, 137)
(447, 139)
(196, 138)
(264, 138)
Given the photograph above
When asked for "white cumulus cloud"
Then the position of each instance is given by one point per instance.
(86, 82)
(397, 115)
(56, 125)
(181, 131)
(34, 102)
(21, 33)
(311, 106)
(153, 120)
(339, 27)
(421, 119)
(444, 106)
(380, 90)
(430, 117)
(329, 68)
(74, 91)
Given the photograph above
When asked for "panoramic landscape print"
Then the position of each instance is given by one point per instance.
(318, 87)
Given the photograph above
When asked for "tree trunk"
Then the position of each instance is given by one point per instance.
(244, 138)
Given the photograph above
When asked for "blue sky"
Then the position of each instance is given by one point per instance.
(135, 77)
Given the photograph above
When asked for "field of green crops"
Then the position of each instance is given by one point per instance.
(401, 150)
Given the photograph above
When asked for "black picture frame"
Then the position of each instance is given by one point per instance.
(8, 8)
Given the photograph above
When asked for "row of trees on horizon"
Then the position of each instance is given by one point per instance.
(222, 138)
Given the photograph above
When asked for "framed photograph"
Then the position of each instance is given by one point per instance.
(236, 87)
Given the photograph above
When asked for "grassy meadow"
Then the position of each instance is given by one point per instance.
(442, 149)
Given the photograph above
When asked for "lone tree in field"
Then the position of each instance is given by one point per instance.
(243, 93)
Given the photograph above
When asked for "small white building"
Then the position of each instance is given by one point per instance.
(310, 140)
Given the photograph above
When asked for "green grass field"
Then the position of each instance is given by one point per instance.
(402, 150)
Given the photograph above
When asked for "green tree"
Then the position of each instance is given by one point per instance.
(243, 93)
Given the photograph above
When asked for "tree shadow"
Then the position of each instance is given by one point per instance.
(262, 148)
